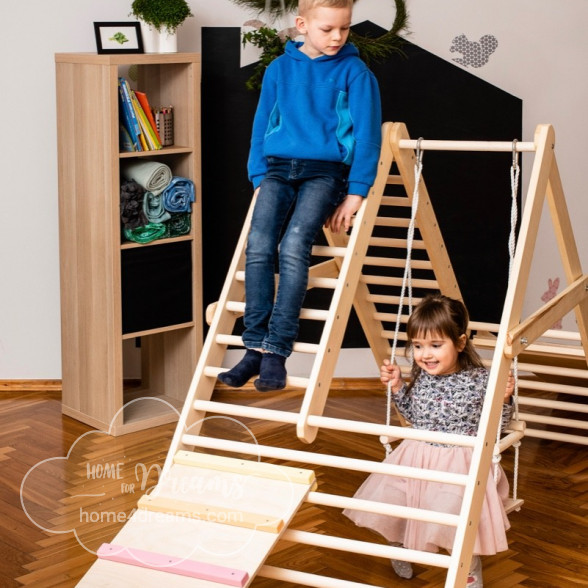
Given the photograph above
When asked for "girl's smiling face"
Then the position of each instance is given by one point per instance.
(437, 354)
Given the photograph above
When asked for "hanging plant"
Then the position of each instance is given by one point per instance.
(272, 43)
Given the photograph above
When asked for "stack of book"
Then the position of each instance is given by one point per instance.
(138, 129)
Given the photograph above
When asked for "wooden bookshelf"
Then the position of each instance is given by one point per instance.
(105, 284)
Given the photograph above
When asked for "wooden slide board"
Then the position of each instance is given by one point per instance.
(199, 537)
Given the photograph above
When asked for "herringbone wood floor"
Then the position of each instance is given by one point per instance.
(548, 539)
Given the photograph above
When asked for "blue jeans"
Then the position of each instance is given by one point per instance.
(310, 190)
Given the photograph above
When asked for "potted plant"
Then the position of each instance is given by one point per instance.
(160, 20)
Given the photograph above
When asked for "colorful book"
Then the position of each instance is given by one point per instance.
(147, 132)
(127, 122)
(125, 141)
(128, 106)
(142, 98)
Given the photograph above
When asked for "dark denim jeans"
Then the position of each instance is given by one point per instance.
(310, 190)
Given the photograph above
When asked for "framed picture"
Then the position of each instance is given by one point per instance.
(118, 37)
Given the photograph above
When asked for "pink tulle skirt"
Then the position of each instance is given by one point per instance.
(447, 498)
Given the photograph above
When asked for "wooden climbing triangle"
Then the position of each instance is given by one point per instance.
(360, 270)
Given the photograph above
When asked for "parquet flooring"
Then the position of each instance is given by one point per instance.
(548, 541)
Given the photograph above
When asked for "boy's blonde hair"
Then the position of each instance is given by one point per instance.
(305, 5)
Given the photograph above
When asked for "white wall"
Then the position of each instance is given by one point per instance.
(541, 58)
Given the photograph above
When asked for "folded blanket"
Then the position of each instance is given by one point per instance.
(153, 208)
(179, 195)
(150, 175)
(131, 205)
(178, 224)
(146, 234)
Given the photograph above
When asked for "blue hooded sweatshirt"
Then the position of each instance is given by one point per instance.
(327, 109)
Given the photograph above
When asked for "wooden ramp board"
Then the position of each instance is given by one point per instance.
(201, 504)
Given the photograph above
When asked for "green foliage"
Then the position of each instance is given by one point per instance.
(166, 14)
(271, 43)
(381, 48)
(272, 46)
(275, 5)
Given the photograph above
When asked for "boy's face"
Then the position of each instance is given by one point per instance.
(325, 30)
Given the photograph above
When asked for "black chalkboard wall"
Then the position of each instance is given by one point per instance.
(436, 99)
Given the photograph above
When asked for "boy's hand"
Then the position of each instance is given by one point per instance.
(509, 387)
(343, 213)
(390, 374)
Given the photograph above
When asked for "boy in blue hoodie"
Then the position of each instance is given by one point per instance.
(314, 152)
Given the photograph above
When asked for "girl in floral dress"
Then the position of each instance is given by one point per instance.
(445, 393)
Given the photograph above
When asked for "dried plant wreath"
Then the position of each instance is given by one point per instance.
(272, 42)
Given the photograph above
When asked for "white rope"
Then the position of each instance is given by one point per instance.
(406, 280)
(515, 171)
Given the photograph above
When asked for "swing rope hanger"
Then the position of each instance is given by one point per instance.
(436, 145)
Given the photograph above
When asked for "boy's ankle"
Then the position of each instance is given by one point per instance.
(240, 374)
(272, 373)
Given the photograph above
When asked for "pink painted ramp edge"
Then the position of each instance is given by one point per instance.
(173, 565)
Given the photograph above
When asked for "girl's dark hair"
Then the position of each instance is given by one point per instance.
(437, 314)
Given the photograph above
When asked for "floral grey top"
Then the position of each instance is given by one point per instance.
(449, 404)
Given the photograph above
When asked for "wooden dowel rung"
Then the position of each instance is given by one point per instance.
(554, 436)
(291, 381)
(313, 282)
(403, 512)
(312, 314)
(236, 307)
(396, 201)
(572, 336)
(557, 387)
(366, 548)
(283, 575)
(395, 180)
(390, 335)
(397, 262)
(553, 370)
(328, 283)
(554, 404)
(236, 341)
(388, 317)
(326, 251)
(391, 221)
(390, 431)
(480, 326)
(223, 339)
(308, 457)
(395, 243)
(239, 410)
(508, 441)
(555, 421)
(387, 281)
(385, 299)
(442, 145)
(561, 350)
(245, 467)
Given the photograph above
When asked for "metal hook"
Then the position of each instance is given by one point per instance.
(515, 154)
